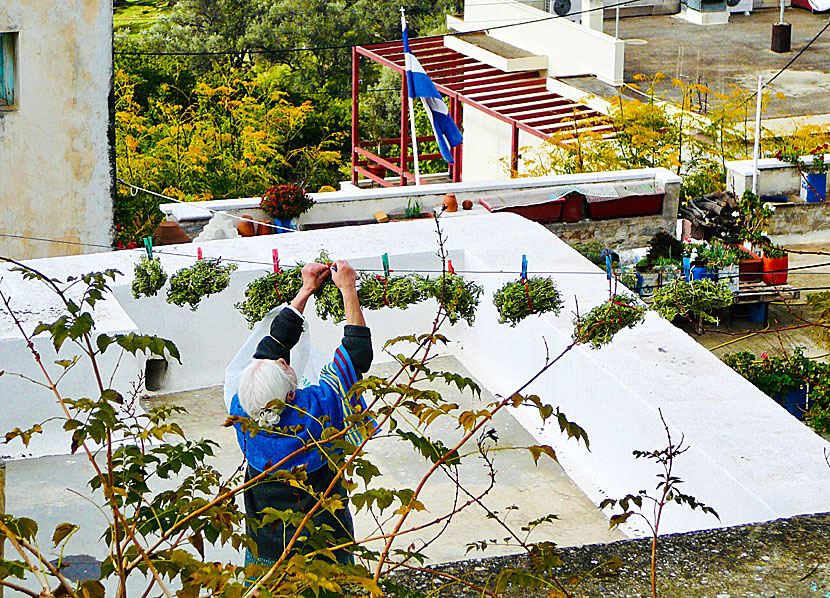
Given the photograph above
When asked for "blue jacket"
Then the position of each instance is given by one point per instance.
(314, 408)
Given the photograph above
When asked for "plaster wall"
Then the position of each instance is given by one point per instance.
(54, 153)
(775, 177)
(571, 48)
(748, 458)
(487, 142)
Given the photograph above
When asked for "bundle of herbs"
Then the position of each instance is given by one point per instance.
(267, 292)
(149, 277)
(457, 297)
(205, 277)
(682, 298)
(518, 299)
(376, 292)
(599, 325)
(328, 301)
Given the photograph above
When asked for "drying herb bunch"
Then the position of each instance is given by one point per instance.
(149, 277)
(205, 277)
(377, 292)
(600, 324)
(328, 301)
(518, 299)
(267, 292)
(458, 298)
(682, 298)
(285, 201)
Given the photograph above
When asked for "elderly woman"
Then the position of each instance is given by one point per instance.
(295, 419)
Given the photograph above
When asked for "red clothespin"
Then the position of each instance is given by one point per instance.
(275, 256)
(450, 269)
(198, 253)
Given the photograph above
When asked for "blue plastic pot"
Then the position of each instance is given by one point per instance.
(794, 401)
(814, 186)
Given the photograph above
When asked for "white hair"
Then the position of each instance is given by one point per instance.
(262, 381)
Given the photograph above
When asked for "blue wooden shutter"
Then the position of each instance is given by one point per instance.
(6, 69)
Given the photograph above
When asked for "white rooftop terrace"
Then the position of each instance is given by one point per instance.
(748, 458)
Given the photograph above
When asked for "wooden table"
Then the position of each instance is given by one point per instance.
(756, 291)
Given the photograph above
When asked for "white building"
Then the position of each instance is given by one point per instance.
(56, 72)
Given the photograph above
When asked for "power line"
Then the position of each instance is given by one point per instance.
(345, 46)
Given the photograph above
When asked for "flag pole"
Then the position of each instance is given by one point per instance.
(413, 129)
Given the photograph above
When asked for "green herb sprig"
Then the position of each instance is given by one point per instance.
(599, 325)
(514, 299)
(267, 292)
(149, 278)
(458, 297)
(682, 298)
(205, 277)
(398, 291)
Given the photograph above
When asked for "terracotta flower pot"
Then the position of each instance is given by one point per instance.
(450, 203)
(170, 233)
(264, 227)
(246, 227)
(775, 270)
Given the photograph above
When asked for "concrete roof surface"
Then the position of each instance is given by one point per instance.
(733, 54)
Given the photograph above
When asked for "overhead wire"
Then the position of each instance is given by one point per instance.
(345, 46)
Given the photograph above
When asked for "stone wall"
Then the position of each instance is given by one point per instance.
(619, 233)
(799, 218)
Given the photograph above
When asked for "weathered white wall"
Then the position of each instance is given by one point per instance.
(53, 147)
(571, 48)
(774, 176)
(487, 146)
(748, 458)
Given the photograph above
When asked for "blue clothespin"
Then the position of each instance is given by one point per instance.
(148, 245)
(608, 265)
(385, 259)
(524, 267)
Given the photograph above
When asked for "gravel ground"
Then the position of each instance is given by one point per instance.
(783, 558)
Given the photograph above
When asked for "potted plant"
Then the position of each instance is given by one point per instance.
(754, 216)
(285, 203)
(812, 171)
(725, 263)
(776, 263)
(814, 176)
(647, 279)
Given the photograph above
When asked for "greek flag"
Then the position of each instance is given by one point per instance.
(421, 86)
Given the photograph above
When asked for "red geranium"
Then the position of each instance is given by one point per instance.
(285, 201)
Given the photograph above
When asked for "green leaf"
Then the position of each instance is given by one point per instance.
(92, 588)
(537, 450)
(103, 341)
(617, 520)
(62, 531)
(112, 395)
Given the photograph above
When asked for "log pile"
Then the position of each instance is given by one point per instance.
(713, 216)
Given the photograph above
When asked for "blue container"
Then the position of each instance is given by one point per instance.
(794, 401)
(687, 264)
(814, 186)
(284, 224)
(756, 311)
(698, 273)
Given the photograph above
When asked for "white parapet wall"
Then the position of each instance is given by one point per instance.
(775, 177)
(571, 48)
(748, 458)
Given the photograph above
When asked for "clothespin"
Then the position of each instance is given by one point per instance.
(385, 259)
(450, 269)
(148, 245)
(608, 265)
(275, 256)
(524, 267)
(198, 253)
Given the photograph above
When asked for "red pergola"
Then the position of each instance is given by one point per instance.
(519, 99)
